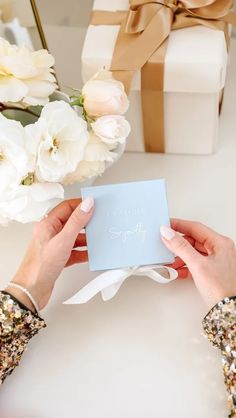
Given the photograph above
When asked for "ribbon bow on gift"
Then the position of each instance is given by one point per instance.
(142, 43)
(109, 283)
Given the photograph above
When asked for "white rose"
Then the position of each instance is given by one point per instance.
(29, 203)
(112, 129)
(96, 150)
(95, 157)
(26, 76)
(103, 95)
(85, 170)
(62, 137)
(15, 159)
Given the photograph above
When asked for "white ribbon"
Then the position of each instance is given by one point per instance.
(109, 283)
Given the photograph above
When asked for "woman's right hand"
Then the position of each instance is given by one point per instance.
(206, 256)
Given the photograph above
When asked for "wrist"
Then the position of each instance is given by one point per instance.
(39, 289)
(28, 279)
(21, 297)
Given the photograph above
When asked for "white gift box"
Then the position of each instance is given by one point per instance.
(195, 71)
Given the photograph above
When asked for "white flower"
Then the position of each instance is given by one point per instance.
(96, 155)
(25, 75)
(96, 150)
(15, 159)
(85, 170)
(29, 203)
(112, 129)
(62, 137)
(103, 95)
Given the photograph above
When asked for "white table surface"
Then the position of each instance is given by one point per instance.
(142, 354)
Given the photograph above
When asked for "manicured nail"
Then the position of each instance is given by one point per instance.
(167, 232)
(87, 204)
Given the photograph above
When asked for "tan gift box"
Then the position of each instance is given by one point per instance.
(194, 75)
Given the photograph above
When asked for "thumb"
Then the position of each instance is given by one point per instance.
(79, 218)
(179, 246)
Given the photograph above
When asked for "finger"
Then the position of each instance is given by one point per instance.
(201, 248)
(77, 257)
(77, 221)
(178, 263)
(55, 220)
(64, 209)
(183, 273)
(80, 241)
(197, 245)
(190, 240)
(197, 231)
(179, 246)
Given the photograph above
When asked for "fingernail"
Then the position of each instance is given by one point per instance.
(87, 204)
(167, 232)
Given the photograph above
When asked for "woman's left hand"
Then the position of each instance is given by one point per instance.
(53, 247)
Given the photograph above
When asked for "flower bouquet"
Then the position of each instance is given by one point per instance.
(48, 140)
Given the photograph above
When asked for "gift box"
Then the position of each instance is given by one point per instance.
(182, 114)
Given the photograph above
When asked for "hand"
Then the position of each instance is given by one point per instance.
(206, 256)
(52, 247)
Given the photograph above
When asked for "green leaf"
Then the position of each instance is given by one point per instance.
(7, 115)
(36, 109)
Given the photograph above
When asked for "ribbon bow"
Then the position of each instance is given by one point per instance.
(150, 23)
(109, 283)
(142, 11)
(141, 44)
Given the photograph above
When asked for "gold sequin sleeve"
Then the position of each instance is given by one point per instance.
(220, 328)
(17, 326)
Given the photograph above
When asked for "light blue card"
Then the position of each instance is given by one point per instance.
(125, 228)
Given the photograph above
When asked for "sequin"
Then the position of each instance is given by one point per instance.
(17, 327)
(220, 328)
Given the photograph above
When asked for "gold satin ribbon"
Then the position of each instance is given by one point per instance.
(142, 42)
